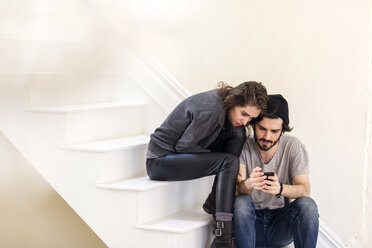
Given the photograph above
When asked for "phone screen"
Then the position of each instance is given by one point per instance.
(268, 174)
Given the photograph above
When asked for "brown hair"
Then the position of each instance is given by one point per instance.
(251, 92)
(285, 127)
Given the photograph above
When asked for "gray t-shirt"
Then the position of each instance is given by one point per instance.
(290, 159)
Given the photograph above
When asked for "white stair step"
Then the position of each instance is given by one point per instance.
(136, 184)
(119, 159)
(181, 222)
(157, 199)
(101, 121)
(111, 144)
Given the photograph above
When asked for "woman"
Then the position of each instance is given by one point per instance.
(203, 136)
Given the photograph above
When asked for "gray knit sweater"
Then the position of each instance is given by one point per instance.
(191, 127)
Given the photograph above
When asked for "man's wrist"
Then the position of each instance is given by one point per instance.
(244, 186)
(248, 184)
(280, 191)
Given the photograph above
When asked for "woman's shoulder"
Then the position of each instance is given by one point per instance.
(208, 102)
(211, 95)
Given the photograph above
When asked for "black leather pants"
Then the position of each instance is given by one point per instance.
(223, 162)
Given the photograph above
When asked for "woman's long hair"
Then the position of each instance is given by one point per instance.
(251, 92)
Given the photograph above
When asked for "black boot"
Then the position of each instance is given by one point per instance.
(224, 235)
(209, 205)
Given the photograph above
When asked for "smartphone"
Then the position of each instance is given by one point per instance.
(268, 174)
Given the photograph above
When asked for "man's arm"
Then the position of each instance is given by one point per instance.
(202, 125)
(300, 189)
(245, 187)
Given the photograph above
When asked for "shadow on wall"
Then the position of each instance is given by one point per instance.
(32, 214)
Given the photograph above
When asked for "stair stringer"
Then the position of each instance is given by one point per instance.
(73, 175)
(40, 137)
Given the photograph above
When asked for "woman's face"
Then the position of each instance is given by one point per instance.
(240, 116)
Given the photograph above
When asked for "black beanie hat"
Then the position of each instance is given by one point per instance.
(278, 106)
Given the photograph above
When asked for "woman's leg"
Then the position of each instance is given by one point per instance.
(228, 141)
(235, 143)
(191, 166)
(176, 167)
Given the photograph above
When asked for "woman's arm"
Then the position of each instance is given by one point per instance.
(201, 126)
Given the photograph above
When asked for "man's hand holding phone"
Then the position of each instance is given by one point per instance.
(272, 185)
(264, 181)
(259, 180)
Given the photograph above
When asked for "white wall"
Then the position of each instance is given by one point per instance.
(367, 197)
(313, 52)
(32, 214)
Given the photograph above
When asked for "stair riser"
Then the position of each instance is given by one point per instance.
(104, 124)
(122, 164)
(199, 238)
(17, 23)
(65, 89)
(52, 22)
(47, 5)
(39, 56)
(172, 198)
(152, 239)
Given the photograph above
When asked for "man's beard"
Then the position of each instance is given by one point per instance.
(265, 147)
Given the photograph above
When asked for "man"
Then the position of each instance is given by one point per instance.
(261, 216)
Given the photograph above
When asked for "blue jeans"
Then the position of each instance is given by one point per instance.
(297, 221)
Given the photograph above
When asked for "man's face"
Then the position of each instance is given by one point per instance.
(267, 133)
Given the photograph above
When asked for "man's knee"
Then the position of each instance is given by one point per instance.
(244, 207)
(307, 204)
(307, 207)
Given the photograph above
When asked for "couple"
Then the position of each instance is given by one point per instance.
(205, 135)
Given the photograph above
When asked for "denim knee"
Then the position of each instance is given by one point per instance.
(306, 206)
(244, 207)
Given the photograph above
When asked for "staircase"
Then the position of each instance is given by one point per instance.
(84, 122)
